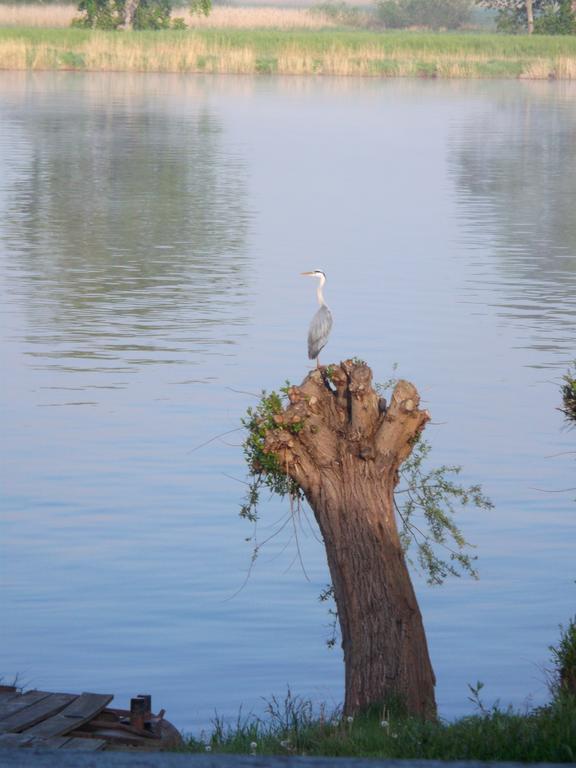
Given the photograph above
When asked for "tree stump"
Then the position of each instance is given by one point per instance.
(343, 448)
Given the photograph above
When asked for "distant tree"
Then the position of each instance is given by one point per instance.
(134, 14)
(433, 14)
(99, 14)
(557, 18)
(543, 16)
(514, 15)
(200, 7)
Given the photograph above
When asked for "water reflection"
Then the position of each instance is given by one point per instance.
(515, 192)
(123, 223)
(123, 210)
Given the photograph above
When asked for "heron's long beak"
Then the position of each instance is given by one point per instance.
(309, 274)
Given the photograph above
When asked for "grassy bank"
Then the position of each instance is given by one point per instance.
(291, 52)
(542, 735)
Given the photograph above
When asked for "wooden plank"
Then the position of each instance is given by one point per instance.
(8, 693)
(88, 745)
(33, 714)
(78, 712)
(37, 741)
(7, 696)
(20, 702)
(115, 738)
(13, 740)
(18, 740)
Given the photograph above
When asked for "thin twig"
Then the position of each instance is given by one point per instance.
(426, 538)
(243, 392)
(216, 437)
(297, 540)
(554, 490)
(237, 479)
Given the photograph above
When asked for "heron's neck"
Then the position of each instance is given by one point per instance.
(319, 292)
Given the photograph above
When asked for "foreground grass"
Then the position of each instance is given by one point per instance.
(293, 52)
(543, 735)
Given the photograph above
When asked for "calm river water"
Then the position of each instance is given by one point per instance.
(152, 232)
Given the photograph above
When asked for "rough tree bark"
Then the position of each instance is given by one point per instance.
(344, 449)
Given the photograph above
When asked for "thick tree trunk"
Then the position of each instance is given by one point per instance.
(341, 446)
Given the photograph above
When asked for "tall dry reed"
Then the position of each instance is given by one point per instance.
(220, 18)
(206, 54)
(250, 49)
(37, 15)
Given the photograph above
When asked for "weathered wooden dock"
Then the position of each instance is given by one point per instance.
(81, 722)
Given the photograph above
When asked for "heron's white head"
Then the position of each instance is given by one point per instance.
(315, 273)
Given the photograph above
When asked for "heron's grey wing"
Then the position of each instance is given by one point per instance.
(319, 331)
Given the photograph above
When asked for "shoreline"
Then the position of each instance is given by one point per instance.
(357, 53)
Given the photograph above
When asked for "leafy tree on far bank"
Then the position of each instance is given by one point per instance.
(547, 17)
(134, 14)
(432, 14)
(557, 18)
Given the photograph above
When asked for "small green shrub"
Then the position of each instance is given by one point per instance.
(266, 66)
(384, 67)
(73, 60)
(426, 69)
(433, 14)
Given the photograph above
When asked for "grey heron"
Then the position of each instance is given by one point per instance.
(321, 322)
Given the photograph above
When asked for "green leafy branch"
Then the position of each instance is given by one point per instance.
(568, 391)
(426, 501)
(326, 596)
(432, 494)
(264, 469)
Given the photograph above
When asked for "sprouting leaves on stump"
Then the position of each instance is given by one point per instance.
(426, 500)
